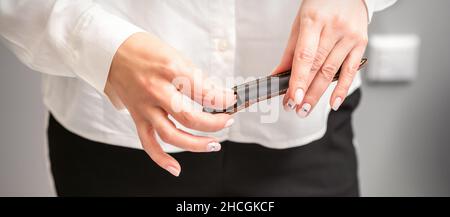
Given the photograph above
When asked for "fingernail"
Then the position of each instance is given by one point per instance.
(214, 146)
(337, 103)
(291, 104)
(174, 171)
(273, 70)
(299, 94)
(286, 108)
(303, 112)
(229, 123)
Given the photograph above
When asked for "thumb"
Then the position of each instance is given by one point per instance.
(284, 65)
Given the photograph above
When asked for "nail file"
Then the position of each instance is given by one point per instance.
(262, 89)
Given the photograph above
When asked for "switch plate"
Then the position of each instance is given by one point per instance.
(393, 58)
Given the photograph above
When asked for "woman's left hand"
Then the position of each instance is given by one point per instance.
(325, 35)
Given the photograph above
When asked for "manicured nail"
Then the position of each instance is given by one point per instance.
(291, 104)
(273, 70)
(299, 94)
(303, 112)
(286, 108)
(214, 146)
(174, 171)
(337, 103)
(229, 123)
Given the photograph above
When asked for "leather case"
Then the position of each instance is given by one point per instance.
(262, 89)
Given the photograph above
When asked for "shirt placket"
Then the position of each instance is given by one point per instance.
(222, 22)
(222, 38)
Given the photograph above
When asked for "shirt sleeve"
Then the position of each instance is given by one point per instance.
(64, 37)
(373, 6)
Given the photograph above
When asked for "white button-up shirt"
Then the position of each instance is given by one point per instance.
(73, 42)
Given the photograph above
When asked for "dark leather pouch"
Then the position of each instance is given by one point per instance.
(262, 89)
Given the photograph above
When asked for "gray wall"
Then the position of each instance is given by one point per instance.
(23, 152)
(402, 129)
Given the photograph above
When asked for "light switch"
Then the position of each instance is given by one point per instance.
(393, 58)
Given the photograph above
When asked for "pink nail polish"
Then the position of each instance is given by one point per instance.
(337, 103)
(304, 110)
(213, 147)
(174, 171)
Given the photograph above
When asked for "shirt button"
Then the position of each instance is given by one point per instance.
(222, 45)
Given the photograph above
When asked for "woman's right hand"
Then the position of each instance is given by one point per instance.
(144, 76)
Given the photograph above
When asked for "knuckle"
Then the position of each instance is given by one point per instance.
(341, 90)
(321, 54)
(364, 40)
(316, 66)
(188, 119)
(168, 67)
(340, 22)
(149, 86)
(305, 55)
(166, 135)
(354, 35)
(328, 71)
(351, 70)
(357, 36)
(153, 90)
(313, 16)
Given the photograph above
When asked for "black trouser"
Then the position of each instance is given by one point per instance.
(326, 167)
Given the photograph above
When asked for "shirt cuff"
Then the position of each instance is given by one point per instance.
(98, 36)
(376, 5)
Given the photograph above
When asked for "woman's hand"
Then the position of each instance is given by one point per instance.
(142, 76)
(325, 35)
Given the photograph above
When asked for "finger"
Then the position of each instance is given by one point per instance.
(183, 110)
(288, 55)
(348, 72)
(154, 150)
(307, 43)
(328, 40)
(215, 96)
(287, 107)
(168, 133)
(325, 76)
(193, 82)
